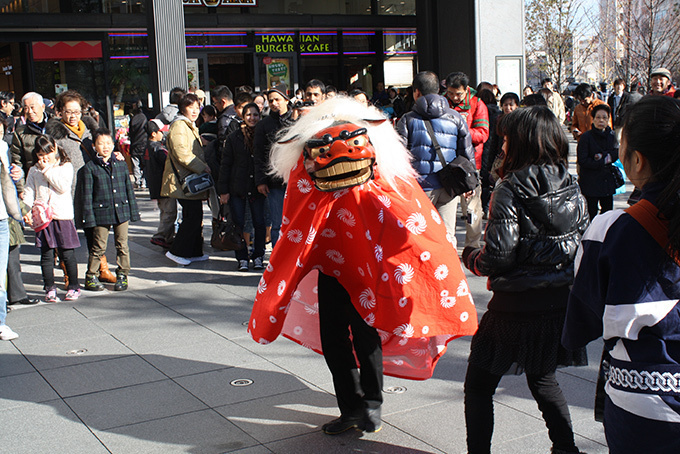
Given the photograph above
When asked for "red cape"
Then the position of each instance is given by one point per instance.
(388, 249)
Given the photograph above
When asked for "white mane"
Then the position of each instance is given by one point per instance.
(392, 158)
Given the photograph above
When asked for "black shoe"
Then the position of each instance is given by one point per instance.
(26, 301)
(93, 284)
(340, 425)
(121, 283)
(371, 423)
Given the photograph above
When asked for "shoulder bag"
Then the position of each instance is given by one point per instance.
(194, 183)
(226, 235)
(458, 176)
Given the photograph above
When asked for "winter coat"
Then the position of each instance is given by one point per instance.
(168, 114)
(595, 178)
(79, 150)
(185, 156)
(537, 216)
(138, 136)
(23, 142)
(449, 128)
(108, 196)
(265, 134)
(477, 116)
(489, 154)
(156, 155)
(619, 114)
(583, 118)
(52, 185)
(237, 172)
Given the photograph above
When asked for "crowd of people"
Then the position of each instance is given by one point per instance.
(558, 258)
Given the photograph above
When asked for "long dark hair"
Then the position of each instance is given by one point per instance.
(652, 127)
(45, 145)
(534, 136)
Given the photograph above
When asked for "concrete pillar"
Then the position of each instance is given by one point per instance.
(167, 49)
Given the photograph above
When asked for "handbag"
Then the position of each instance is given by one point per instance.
(617, 175)
(458, 176)
(194, 183)
(41, 214)
(226, 235)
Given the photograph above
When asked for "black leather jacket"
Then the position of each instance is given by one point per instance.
(537, 216)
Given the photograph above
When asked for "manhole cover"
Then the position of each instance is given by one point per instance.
(241, 382)
(80, 351)
(395, 390)
(245, 323)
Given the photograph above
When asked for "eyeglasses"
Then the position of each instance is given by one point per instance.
(72, 112)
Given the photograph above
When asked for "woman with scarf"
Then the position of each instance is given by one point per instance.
(185, 157)
(237, 185)
(596, 152)
(73, 132)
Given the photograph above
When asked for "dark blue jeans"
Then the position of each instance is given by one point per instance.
(238, 213)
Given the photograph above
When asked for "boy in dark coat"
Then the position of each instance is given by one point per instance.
(156, 153)
(108, 201)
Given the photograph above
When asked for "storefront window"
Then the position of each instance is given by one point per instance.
(123, 6)
(397, 7)
(226, 39)
(129, 66)
(72, 6)
(311, 7)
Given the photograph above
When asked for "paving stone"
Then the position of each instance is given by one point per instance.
(201, 432)
(134, 404)
(48, 427)
(18, 390)
(215, 390)
(108, 373)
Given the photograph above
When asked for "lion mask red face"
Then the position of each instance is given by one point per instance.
(339, 157)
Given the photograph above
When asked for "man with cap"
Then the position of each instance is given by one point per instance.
(280, 116)
(661, 83)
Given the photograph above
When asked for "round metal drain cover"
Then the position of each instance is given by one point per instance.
(395, 390)
(241, 382)
(80, 351)
(245, 323)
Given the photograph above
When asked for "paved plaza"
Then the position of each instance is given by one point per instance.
(167, 366)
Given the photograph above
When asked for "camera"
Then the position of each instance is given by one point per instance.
(300, 104)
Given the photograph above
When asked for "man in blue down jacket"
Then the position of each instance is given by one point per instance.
(451, 132)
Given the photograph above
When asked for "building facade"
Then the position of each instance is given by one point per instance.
(115, 51)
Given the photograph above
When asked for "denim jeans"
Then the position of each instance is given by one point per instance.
(275, 199)
(238, 211)
(4, 254)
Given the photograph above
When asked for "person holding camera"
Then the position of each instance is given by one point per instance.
(280, 116)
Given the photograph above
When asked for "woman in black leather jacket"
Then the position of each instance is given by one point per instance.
(537, 216)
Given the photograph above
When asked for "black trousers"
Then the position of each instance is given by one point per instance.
(355, 390)
(605, 203)
(189, 238)
(15, 284)
(68, 257)
(480, 386)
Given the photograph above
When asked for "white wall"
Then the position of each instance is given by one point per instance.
(500, 33)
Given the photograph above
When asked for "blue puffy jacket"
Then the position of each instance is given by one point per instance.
(449, 128)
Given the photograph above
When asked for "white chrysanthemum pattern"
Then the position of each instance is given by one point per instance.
(463, 289)
(416, 223)
(378, 251)
(385, 200)
(370, 319)
(367, 299)
(295, 235)
(448, 302)
(435, 216)
(464, 316)
(336, 256)
(304, 186)
(328, 233)
(347, 217)
(262, 286)
(405, 330)
(441, 273)
(404, 273)
(425, 256)
(281, 288)
(311, 235)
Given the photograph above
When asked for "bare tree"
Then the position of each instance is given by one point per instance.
(638, 36)
(554, 29)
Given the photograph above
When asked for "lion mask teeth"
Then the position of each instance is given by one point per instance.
(343, 175)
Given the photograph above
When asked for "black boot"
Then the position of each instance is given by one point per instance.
(121, 283)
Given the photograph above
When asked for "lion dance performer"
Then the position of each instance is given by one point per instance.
(363, 270)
